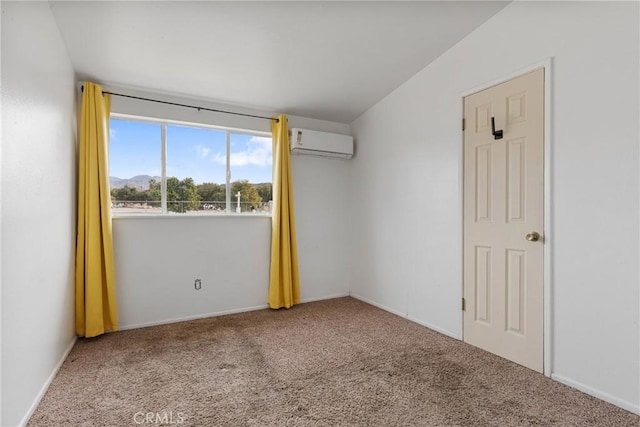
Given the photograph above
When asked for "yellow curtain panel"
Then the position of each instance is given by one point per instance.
(284, 281)
(96, 308)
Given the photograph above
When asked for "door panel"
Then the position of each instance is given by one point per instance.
(503, 201)
(482, 284)
(483, 197)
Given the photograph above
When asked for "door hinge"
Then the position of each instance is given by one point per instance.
(464, 124)
(464, 306)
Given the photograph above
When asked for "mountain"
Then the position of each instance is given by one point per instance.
(141, 182)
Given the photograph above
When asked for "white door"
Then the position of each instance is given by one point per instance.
(503, 219)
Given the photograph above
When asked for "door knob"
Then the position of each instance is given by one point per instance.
(532, 236)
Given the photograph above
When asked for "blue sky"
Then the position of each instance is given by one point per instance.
(198, 153)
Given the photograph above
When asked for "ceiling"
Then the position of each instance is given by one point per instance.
(323, 60)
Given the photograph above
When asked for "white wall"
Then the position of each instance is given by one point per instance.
(321, 200)
(407, 185)
(157, 259)
(38, 204)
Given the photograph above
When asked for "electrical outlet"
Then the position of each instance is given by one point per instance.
(197, 284)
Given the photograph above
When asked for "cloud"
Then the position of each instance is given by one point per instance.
(263, 141)
(257, 153)
(203, 152)
(113, 134)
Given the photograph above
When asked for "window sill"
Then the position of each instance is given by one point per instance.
(173, 216)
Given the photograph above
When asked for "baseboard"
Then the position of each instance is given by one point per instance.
(194, 317)
(435, 328)
(380, 306)
(322, 298)
(635, 408)
(46, 385)
(406, 316)
(220, 313)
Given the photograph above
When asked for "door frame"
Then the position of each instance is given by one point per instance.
(547, 65)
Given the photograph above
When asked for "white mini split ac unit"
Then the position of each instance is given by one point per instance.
(323, 144)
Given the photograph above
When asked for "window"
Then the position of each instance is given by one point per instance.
(165, 168)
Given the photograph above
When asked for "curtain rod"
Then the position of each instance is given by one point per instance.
(185, 105)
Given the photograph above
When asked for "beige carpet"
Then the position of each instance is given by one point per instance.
(332, 363)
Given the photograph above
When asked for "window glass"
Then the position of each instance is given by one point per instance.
(251, 172)
(135, 166)
(196, 170)
(207, 171)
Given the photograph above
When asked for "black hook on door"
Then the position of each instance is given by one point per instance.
(497, 134)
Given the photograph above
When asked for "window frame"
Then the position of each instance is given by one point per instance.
(228, 212)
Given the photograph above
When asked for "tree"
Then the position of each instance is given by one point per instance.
(249, 197)
(126, 194)
(265, 191)
(212, 196)
(154, 193)
(182, 195)
(210, 192)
